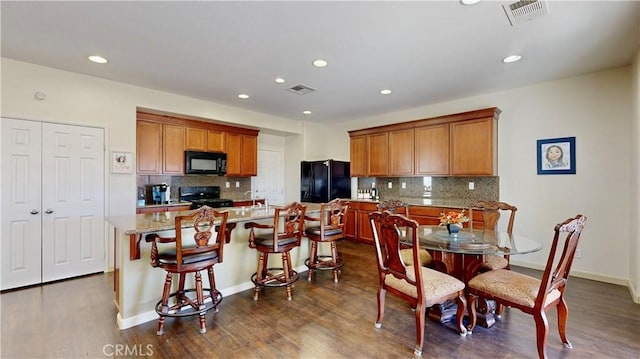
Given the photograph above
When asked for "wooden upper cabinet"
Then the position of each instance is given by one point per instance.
(234, 153)
(359, 156)
(473, 145)
(148, 147)
(461, 144)
(242, 155)
(172, 149)
(201, 139)
(249, 165)
(401, 152)
(162, 140)
(378, 150)
(195, 139)
(432, 150)
(215, 141)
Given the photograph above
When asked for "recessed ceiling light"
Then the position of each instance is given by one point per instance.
(385, 92)
(512, 58)
(320, 63)
(243, 96)
(98, 59)
(469, 2)
(306, 112)
(279, 80)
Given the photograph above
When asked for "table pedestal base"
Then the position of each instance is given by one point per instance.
(485, 312)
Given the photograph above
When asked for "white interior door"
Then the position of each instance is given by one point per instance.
(269, 183)
(72, 201)
(21, 203)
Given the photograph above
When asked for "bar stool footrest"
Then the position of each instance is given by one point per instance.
(323, 264)
(185, 308)
(275, 280)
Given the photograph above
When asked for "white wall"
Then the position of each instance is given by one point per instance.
(634, 240)
(597, 110)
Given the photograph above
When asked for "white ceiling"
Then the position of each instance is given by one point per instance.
(426, 52)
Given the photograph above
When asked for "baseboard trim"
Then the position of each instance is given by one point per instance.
(125, 323)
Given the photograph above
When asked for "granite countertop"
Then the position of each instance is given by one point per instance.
(428, 202)
(164, 221)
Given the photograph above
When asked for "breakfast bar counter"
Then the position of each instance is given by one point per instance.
(138, 286)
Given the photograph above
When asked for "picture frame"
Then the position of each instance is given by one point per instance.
(556, 156)
(121, 162)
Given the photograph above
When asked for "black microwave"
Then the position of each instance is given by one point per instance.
(205, 163)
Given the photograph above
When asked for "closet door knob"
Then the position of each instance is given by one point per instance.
(48, 211)
(34, 211)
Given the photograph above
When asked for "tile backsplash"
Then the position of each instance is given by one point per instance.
(485, 188)
(233, 192)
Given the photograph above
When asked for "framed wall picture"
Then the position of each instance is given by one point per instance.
(557, 156)
(121, 162)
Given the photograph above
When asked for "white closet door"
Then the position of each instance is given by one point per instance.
(21, 203)
(72, 201)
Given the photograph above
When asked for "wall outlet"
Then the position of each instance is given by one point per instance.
(578, 253)
(389, 184)
(373, 185)
(472, 186)
(237, 184)
(404, 185)
(227, 184)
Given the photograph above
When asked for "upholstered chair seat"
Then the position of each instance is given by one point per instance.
(493, 261)
(435, 284)
(512, 286)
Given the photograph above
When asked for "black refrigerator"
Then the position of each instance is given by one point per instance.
(322, 181)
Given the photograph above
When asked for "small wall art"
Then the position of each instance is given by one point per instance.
(557, 156)
(121, 162)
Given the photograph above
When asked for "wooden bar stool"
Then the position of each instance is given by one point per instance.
(284, 235)
(330, 229)
(180, 255)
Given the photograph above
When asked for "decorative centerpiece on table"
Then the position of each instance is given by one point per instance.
(453, 221)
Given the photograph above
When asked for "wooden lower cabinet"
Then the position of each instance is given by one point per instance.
(248, 203)
(162, 209)
(350, 231)
(431, 215)
(361, 231)
(365, 233)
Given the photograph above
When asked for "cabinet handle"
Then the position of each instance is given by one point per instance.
(48, 211)
(34, 211)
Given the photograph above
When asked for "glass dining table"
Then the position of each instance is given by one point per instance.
(461, 255)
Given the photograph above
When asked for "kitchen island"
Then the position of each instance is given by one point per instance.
(138, 286)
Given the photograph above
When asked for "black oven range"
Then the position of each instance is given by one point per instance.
(203, 196)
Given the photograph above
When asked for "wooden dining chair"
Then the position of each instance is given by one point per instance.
(399, 207)
(531, 295)
(490, 215)
(183, 255)
(280, 238)
(422, 287)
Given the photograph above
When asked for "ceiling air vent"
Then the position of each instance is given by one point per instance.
(525, 10)
(301, 89)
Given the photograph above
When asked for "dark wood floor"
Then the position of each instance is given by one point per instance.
(77, 319)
